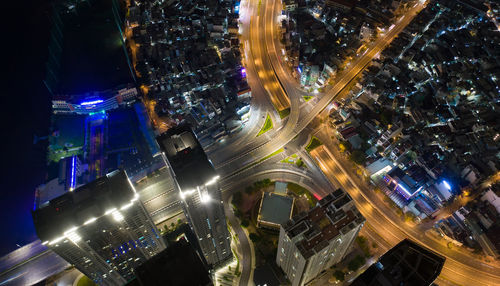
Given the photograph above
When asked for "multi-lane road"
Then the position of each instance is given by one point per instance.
(461, 268)
(293, 125)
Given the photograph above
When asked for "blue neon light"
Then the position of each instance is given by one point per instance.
(237, 8)
(447, 185)
(92, 102)
(299, 69)
(73, 167)
(243, 72)
(404, 189)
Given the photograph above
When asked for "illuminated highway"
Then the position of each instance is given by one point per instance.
(461, 268)
(293, 125)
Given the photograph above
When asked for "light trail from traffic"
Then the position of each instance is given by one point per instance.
(460, 268)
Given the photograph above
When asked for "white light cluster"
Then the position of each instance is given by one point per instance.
(89, 221)
(110, 211)
(124, 207)
(186, 193)
(212, 181)
(73, 235)
(117, 216)
(204, 197)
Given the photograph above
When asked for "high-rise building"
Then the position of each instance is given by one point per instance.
(407, 263)
(178, 265)
(196, 182)
(101, 228)
(314, 241)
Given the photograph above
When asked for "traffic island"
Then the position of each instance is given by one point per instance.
(314, 143)
(268, 125)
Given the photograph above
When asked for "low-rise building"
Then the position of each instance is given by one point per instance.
(275, 209)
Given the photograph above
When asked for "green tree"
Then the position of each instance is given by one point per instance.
(245, 223)
(254, 237)
(380, 149)
(238, 213)
(358, 157)
(248, 190)
(356, 263)
(300, 163)
(237, 199)
(267, 182)
(386, 117)
(347, 145)
(339, 275)
(409, 216)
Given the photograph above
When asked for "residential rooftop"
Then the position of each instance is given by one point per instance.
(335, 214)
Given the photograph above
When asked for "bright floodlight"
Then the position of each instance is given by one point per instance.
(186, 193)
(124, 207)
(447, 185)
(212, 181)
(72, 235)
(136, 197)
(110, 211)
(89, 221)
(204, 197)
(117, 216)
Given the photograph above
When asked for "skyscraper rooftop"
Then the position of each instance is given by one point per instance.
(92, 200)
(102, 228)
(186, 157)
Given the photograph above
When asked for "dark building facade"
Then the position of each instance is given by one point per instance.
(101, 228)
(196, 182)
(178, 265)
(407, 263)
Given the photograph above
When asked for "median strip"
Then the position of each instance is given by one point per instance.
(268, 125)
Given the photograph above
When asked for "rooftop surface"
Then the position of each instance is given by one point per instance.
(74, 208)
(275, 209)
(280, 187)
(188, 160)
(407, 263)
(333, 215)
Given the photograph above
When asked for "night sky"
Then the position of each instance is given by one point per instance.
(25, 112)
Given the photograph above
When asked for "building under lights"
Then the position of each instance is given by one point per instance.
(314, 241)
(94, 102)
(407, 263)
(101, 228)
(196, 181)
